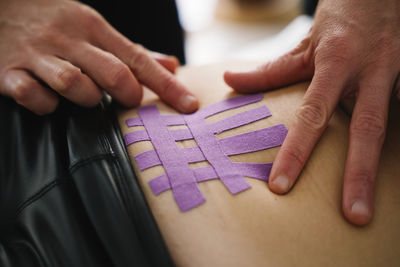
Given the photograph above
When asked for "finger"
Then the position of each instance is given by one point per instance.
(367, 133)
(309, 122)
(146, 70)
(108, 72)
(67, 80)
(295, 66)
(26, 91)
(159, 80)
(168, 62)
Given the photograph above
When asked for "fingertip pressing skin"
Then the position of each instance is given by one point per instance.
(160, 79)
(163, 83)
(280, 184)
(167, 86)
(189, 103)
(286, 168)
(284, 172)
(358, 212)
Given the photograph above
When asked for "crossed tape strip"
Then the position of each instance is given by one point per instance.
(182, 179)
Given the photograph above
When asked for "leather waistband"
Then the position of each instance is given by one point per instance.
(68, 194)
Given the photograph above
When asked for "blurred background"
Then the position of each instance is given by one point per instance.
(220, 30)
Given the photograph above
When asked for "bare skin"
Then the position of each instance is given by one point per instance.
(353, 49)
(61, 48)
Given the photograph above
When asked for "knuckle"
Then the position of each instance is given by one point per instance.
(139, 58)
(51, 30)
(67, 79)
(90, 16)
(334, 58)
(339, 38)
(368, 123)
(49, 33)
(313, 115)
(118, 74)
(386, 41)
(384, 49)
(362, 178)
(338, 48)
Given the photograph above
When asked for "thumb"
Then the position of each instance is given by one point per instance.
(294, 66)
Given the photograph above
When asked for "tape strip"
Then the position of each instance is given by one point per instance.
(134, 122)
(180, 175)
(169, 120)
(227, 104)
(240, 119)
(254, 141)
(259, 171)
(173, 120)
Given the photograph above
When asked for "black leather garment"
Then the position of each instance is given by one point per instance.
(309, 7)
(68, 194)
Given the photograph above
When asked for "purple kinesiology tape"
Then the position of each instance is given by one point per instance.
(179, 176)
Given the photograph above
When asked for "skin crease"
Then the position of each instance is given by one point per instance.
(63, 48)
(352, 49)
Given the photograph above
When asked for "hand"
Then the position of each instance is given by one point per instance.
(353, 49)
(52, 48)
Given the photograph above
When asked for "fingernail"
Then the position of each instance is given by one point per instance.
(282, 182)
(188, 103)
(360, 208)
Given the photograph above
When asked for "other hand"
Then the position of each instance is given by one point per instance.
(52, 48)
(353, 49)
